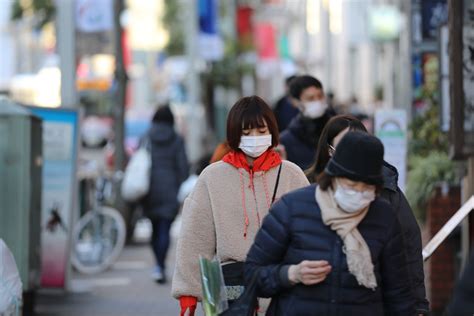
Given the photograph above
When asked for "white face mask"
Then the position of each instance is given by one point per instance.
(255, 146)
(352, 201)
(314, 109)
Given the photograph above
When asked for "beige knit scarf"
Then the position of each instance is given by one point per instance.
(345, 225)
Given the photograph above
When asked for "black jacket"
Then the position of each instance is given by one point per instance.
(411, 236)
(462, 302)
(169, 168)
(301, 138)
(284, 112)
(293, 231)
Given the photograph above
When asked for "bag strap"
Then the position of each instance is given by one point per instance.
(276, 184)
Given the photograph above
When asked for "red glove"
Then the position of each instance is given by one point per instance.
(187, 302)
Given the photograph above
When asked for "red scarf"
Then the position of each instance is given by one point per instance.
(265, 162)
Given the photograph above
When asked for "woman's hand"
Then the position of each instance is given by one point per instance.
(309, 272)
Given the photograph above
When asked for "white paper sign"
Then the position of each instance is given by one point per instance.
(391, 129)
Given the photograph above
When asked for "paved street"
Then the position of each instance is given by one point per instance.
(124, 290)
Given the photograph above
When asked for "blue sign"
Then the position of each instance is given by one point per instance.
(60, 133)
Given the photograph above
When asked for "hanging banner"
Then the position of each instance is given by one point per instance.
(391, 129)
(265, 40)
(434, 13)
(60, 132)
(211, 46)
(244, 27)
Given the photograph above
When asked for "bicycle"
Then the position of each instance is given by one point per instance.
(99, 235)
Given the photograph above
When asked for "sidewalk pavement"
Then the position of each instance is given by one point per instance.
(124, 290)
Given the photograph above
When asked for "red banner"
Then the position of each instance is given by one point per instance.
(265, 40)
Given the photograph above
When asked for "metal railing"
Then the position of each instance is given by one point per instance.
(450, 225)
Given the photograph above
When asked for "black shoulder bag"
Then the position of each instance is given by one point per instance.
(247, 303)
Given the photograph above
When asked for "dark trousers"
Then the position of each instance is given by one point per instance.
(160, 240)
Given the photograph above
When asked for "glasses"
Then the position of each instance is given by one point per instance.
(331, 150)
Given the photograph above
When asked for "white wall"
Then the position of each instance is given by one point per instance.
(7, 61)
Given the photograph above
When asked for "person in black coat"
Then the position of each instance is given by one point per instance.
(169, 168)
(301, 137)
(333, 249)
(284, 110)
(332, 133)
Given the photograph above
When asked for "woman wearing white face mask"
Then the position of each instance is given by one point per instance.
(224, 212)
(333, 249)
(331, 135)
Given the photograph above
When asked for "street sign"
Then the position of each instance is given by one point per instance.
(60, 134)
(391, 129)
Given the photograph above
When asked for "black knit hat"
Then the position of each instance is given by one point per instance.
(359, 157)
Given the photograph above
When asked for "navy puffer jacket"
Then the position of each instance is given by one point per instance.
(169, 168)
(293, 231)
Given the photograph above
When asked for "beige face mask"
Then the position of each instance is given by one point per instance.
(352, 201)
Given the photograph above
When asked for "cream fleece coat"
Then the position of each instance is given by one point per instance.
(213, 221)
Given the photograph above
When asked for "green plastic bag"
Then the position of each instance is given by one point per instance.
(214, 297)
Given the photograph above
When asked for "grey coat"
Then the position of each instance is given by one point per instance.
(169, 168)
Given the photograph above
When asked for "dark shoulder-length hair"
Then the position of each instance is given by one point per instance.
(333, 127)
(250, 112)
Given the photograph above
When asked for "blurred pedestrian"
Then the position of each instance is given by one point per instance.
(188, 185)
(169, 168)
(332, 134)
(284, 110)
(221, 150)
(301, 137)
(333, 249)
(232, 196)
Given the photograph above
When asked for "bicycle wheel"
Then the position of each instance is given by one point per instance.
(98, 239)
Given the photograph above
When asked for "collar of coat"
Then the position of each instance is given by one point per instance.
(265, 162)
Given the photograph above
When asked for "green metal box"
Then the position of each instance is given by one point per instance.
(20, 188)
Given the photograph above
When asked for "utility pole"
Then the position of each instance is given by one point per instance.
(458, 104)
(192, 80)
(65, 29)
(120, 86)
(120, 83)
(455, 22)
(328, 86)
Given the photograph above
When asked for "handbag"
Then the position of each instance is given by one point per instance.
(136, 180)
(246, 304)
